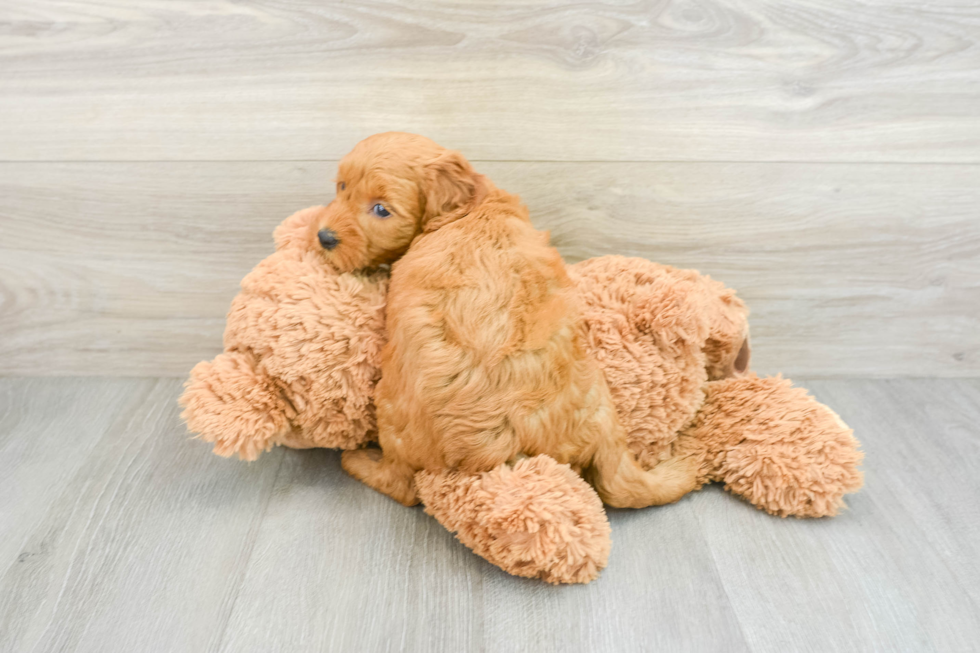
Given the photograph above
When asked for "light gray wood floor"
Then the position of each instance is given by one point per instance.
(120, 533)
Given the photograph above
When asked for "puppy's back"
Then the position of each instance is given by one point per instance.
(482, 323)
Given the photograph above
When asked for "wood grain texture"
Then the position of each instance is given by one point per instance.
(48, 429)
(324, 577)
(145, 545)
(336, 568)
(896, 572)
(152, 543)
(662, 591)
(820, 80)
(862, 270)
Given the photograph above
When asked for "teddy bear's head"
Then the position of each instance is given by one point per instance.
(302, 353)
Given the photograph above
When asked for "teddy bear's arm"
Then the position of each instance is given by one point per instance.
(229, 401)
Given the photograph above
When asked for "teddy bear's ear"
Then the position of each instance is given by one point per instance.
(449, 185)
(297, 230)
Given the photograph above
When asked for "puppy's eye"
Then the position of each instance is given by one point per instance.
(343, 186)
(380, 211)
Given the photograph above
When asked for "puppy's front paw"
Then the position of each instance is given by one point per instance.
(369, 467)
(361, 463)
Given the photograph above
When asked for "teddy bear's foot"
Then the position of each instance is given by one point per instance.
(227, 401)
(536, 519)
(776, 446)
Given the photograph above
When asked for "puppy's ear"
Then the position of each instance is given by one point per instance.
(449, 186)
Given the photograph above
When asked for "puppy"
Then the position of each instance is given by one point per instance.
(485, 361)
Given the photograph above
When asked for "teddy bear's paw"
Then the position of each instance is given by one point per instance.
(537, 519)
(228, 402)
(792, 456)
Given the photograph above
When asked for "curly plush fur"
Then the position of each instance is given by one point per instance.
(659, 334)
(302, 355)
(537, 519)
(774, 445)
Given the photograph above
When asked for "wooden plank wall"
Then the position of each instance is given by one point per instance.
(821, 156)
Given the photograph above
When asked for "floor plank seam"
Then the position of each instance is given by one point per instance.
(721, 581)
(253, 538)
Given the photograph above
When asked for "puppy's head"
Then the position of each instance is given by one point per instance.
(391, 188)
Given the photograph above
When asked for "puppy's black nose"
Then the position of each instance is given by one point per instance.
(328, 239)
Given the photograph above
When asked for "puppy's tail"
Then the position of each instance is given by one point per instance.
(621, 481)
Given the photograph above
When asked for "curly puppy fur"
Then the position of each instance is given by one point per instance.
(486, 359)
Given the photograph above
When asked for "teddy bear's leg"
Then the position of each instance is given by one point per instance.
(229, 402)
(775, 445)
(535, 518)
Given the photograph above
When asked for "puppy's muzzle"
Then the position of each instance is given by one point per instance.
(328, 239)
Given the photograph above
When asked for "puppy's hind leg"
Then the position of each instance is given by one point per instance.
(387, 476)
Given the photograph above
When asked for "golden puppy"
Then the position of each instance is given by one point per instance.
(485, 361)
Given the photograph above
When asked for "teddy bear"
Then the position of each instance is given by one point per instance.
(302, 356)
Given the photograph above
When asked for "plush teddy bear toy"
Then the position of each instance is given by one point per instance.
(302, 357)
